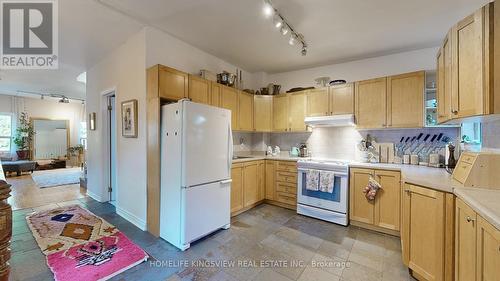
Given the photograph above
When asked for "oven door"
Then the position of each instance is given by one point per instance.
(335, 201)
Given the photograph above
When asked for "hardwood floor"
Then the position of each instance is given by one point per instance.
(25, 193)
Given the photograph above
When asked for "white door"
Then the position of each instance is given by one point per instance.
(208, 144)
(206, 209)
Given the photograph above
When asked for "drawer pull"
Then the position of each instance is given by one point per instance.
(469, 219)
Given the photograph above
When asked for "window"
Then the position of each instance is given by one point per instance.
(5, 132)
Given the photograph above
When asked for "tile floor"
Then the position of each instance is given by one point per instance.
(265, 243)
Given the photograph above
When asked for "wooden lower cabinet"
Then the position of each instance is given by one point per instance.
(247, 188)
(427, 232)
(270, 182)
(281, 183)
(477, 246)
(465, 242)
(383, 213)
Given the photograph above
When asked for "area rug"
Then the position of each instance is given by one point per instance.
(57, 177)
(82, 246)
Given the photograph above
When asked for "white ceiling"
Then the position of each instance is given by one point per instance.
(336, 30)
(238, 32)
(87, 32)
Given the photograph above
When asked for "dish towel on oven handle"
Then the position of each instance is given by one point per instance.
(312, 180)
(326, 180)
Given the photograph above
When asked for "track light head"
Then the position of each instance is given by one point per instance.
(268, 8)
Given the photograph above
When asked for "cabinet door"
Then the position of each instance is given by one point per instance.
(199, 89)
(317, 102)
(270, 180)
(245, 110)
(469, 66)
(342, 99)
(280, 113)
(237, 188)
(405, 100)
(444, 80)
(229, 100)
(173, 83)
(250, 184)
(388, 200)
(297, 111)
(425, 227)
(261, 174)
(465, 242)
(215, 94)
(488, 251)
(370, 103)
(263, 113)
(360, 209)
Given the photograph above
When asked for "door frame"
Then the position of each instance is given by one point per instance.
(106, 151)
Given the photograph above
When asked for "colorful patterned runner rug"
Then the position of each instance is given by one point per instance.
(82, 246)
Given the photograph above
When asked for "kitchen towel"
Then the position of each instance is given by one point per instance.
(326, 180)
(312, 180)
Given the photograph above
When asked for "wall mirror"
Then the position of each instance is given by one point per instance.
(51, 140)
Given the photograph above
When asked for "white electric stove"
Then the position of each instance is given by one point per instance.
(332, 207)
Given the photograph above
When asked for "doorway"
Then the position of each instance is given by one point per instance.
(111, 137)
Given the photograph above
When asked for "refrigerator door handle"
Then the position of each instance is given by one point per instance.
(230, 148)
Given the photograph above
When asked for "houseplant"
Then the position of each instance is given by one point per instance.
(24, 136)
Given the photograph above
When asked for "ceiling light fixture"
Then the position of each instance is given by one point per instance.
(284, 27)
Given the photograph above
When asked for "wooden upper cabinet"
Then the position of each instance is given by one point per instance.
(341, 99)
(465, 242)
(215, 94)
(360, 209)
(173, 84)
(199, 89)
(444, 80)
(229, 100)
(488, 251)
(405, 100)
(317, 102)
(469, 65)
(297, 111)
(263, 113)
(388, 200)
(245, 111)
(280, 113)
(370, 103)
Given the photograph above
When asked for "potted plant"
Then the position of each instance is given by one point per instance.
(75, 150)
(24, 137)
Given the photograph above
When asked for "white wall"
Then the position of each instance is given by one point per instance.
(423, 59)
(50, 109)
(162, 48)
(125, 70)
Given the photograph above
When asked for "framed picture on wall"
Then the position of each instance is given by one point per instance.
(129, 119)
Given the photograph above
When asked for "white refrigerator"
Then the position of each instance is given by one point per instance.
(196, 158)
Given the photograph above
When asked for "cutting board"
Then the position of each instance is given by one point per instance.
(386, 152)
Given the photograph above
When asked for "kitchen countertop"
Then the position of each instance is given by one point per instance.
(485, 202)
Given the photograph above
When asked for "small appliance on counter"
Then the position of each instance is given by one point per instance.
(294, 151)
(303, 151)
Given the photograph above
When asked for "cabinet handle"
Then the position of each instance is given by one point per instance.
(469, 219)
(454, 111)
(407, 191)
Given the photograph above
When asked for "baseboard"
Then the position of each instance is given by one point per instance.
(96, 197)
(375, 228)
(131, 218)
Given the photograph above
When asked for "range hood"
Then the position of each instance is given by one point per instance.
(344, 120)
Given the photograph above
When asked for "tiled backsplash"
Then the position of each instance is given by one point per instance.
(335, 142)
(491, 135)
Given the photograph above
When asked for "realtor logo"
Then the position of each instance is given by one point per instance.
(29, 34)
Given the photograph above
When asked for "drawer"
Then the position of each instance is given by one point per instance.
(286, 177)
(289, 188)
(468, 158)
(286, 198)
(462, 171)
(286, 166)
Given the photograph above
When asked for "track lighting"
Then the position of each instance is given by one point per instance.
(284, 27)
